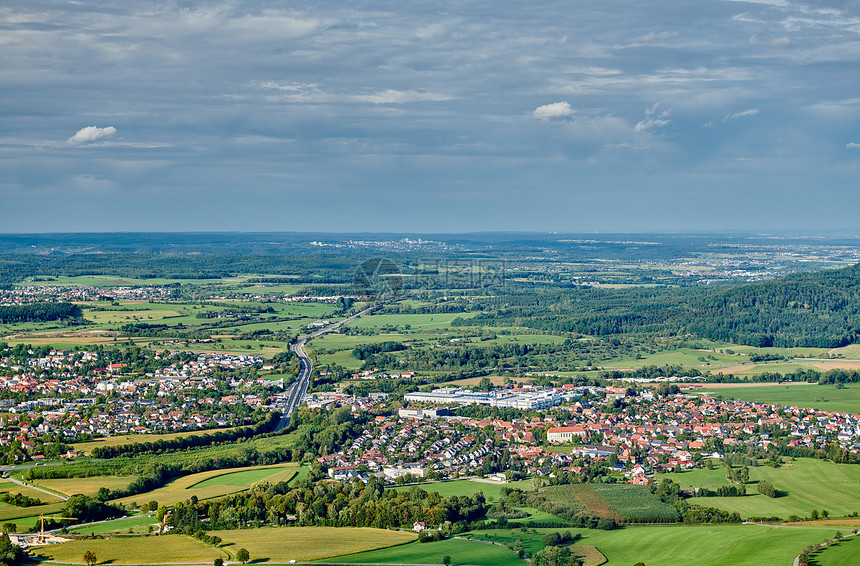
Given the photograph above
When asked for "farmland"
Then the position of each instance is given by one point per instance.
(822, 397)
(809, 484)
(468, 487)
(621, 502)
(678, 545)
(308, 543)
(125, 550)
(210, 484)
(86, 486)
(460, 551)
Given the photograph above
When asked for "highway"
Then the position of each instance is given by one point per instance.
(300, 386)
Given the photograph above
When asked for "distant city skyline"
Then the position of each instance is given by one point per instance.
(619, 117)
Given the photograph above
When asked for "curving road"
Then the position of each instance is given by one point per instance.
(300, 386)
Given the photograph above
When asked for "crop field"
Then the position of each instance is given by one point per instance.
(823, 397)
(460, 551)
(124, 550)
(184, 487)
(622, 502)
(282, 544)
(809, 484)
(469, 487)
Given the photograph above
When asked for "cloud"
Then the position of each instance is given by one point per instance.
(90, 134)
(741, 114)
(653, 119)
(659, 36)
(852, 145)
(554, 110)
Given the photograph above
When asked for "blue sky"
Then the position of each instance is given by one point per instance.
(429, 116)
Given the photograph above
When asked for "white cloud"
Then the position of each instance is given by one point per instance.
(653, 119)
(90, 134)
(741, 114)
(554, 110)
(663, 35)
(852, 145)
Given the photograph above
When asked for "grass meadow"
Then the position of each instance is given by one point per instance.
(809, 484)
(824, 397)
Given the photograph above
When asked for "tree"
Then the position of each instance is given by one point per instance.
(242, 555)
(90, 558)
(219, 562)
(446, 560)
(766, 488)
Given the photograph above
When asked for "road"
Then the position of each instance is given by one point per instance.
(300, 386)
(22, 484)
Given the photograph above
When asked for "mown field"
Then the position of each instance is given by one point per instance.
(682, 545)
(846, 551)
(206, 485)
(460, 551)
(809, 484)
(283, 544)
(86, 486)
(824, 397)
(125, 550)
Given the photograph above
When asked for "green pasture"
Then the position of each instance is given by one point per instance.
(460, 551)
(824, 397)
(808, 483)
(681, 545)
(846, 551)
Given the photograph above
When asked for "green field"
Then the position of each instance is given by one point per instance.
(468, 487)
(824, 397)
(414, 321)
(460, 551)
(184, 487)
(681, 545)
(621, 502)
(846, 551)
(139, 438)
(810, 484)
(246, 478)
(283, 544)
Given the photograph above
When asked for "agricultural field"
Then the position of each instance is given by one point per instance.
(621, 502)
(85, 486)
(808, 483)
(129, 550)
(184, 487)
(434, 321)
(282, 544)
(137, 524)
(681, 545)
(468, 487)
(13, 488)
(460, 551)
(846, 551)
(13, 513)
(824, 397)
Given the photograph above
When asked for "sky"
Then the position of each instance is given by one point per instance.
(570, 116)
